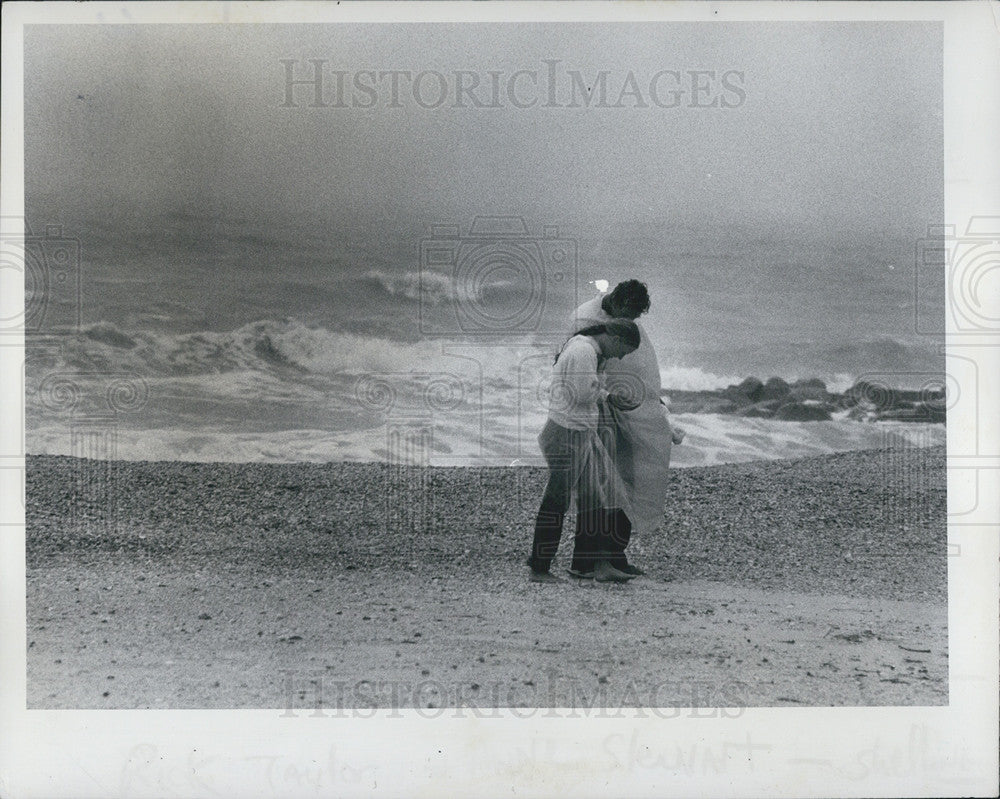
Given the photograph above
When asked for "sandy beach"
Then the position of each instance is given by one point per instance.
(818, 581)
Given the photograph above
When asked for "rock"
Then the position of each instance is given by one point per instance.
(934, 397)
(876, 395)
(802, 412)
(811, 389)
(751, 388)
(867, 400)
(932, 411)
(745, 393)
(775, 388)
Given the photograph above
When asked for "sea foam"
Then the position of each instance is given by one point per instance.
(711, 439)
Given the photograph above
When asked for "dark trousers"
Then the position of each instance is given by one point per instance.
(558, 447)
(592, 540)
(604, 535)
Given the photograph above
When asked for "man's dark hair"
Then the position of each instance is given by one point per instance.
(629, 296)
(626, 330)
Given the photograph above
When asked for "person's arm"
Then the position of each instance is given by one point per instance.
(676, 434)
(623, 393)
(578, 374)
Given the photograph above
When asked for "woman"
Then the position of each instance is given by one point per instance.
(642, 436)
(575, 452)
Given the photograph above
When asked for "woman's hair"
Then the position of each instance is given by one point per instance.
(630, 295)
(625, 329)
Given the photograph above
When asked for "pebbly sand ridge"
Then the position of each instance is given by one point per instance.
(814, 581)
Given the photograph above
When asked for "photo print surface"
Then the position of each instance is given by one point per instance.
(302, 301)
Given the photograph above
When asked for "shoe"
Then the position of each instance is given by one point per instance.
(604, 572)
(628, 568)
(581, 575)
(543, 577)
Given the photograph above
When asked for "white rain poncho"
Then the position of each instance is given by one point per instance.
(589, 459)
(641, 439)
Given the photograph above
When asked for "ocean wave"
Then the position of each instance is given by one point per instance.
(714, 438)
(691, 378)
(710, 440)
(261, 391)
(427, 287)
(478, 286)
(290, 347)
(267, 345)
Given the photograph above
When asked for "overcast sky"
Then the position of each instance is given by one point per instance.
(838, 127)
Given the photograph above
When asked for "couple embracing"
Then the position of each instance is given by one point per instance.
(607, 438)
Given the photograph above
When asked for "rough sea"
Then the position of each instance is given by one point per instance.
(181, 336)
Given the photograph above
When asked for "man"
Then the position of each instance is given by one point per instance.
(642, 436)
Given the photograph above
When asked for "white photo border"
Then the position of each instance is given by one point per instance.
(875, 751)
